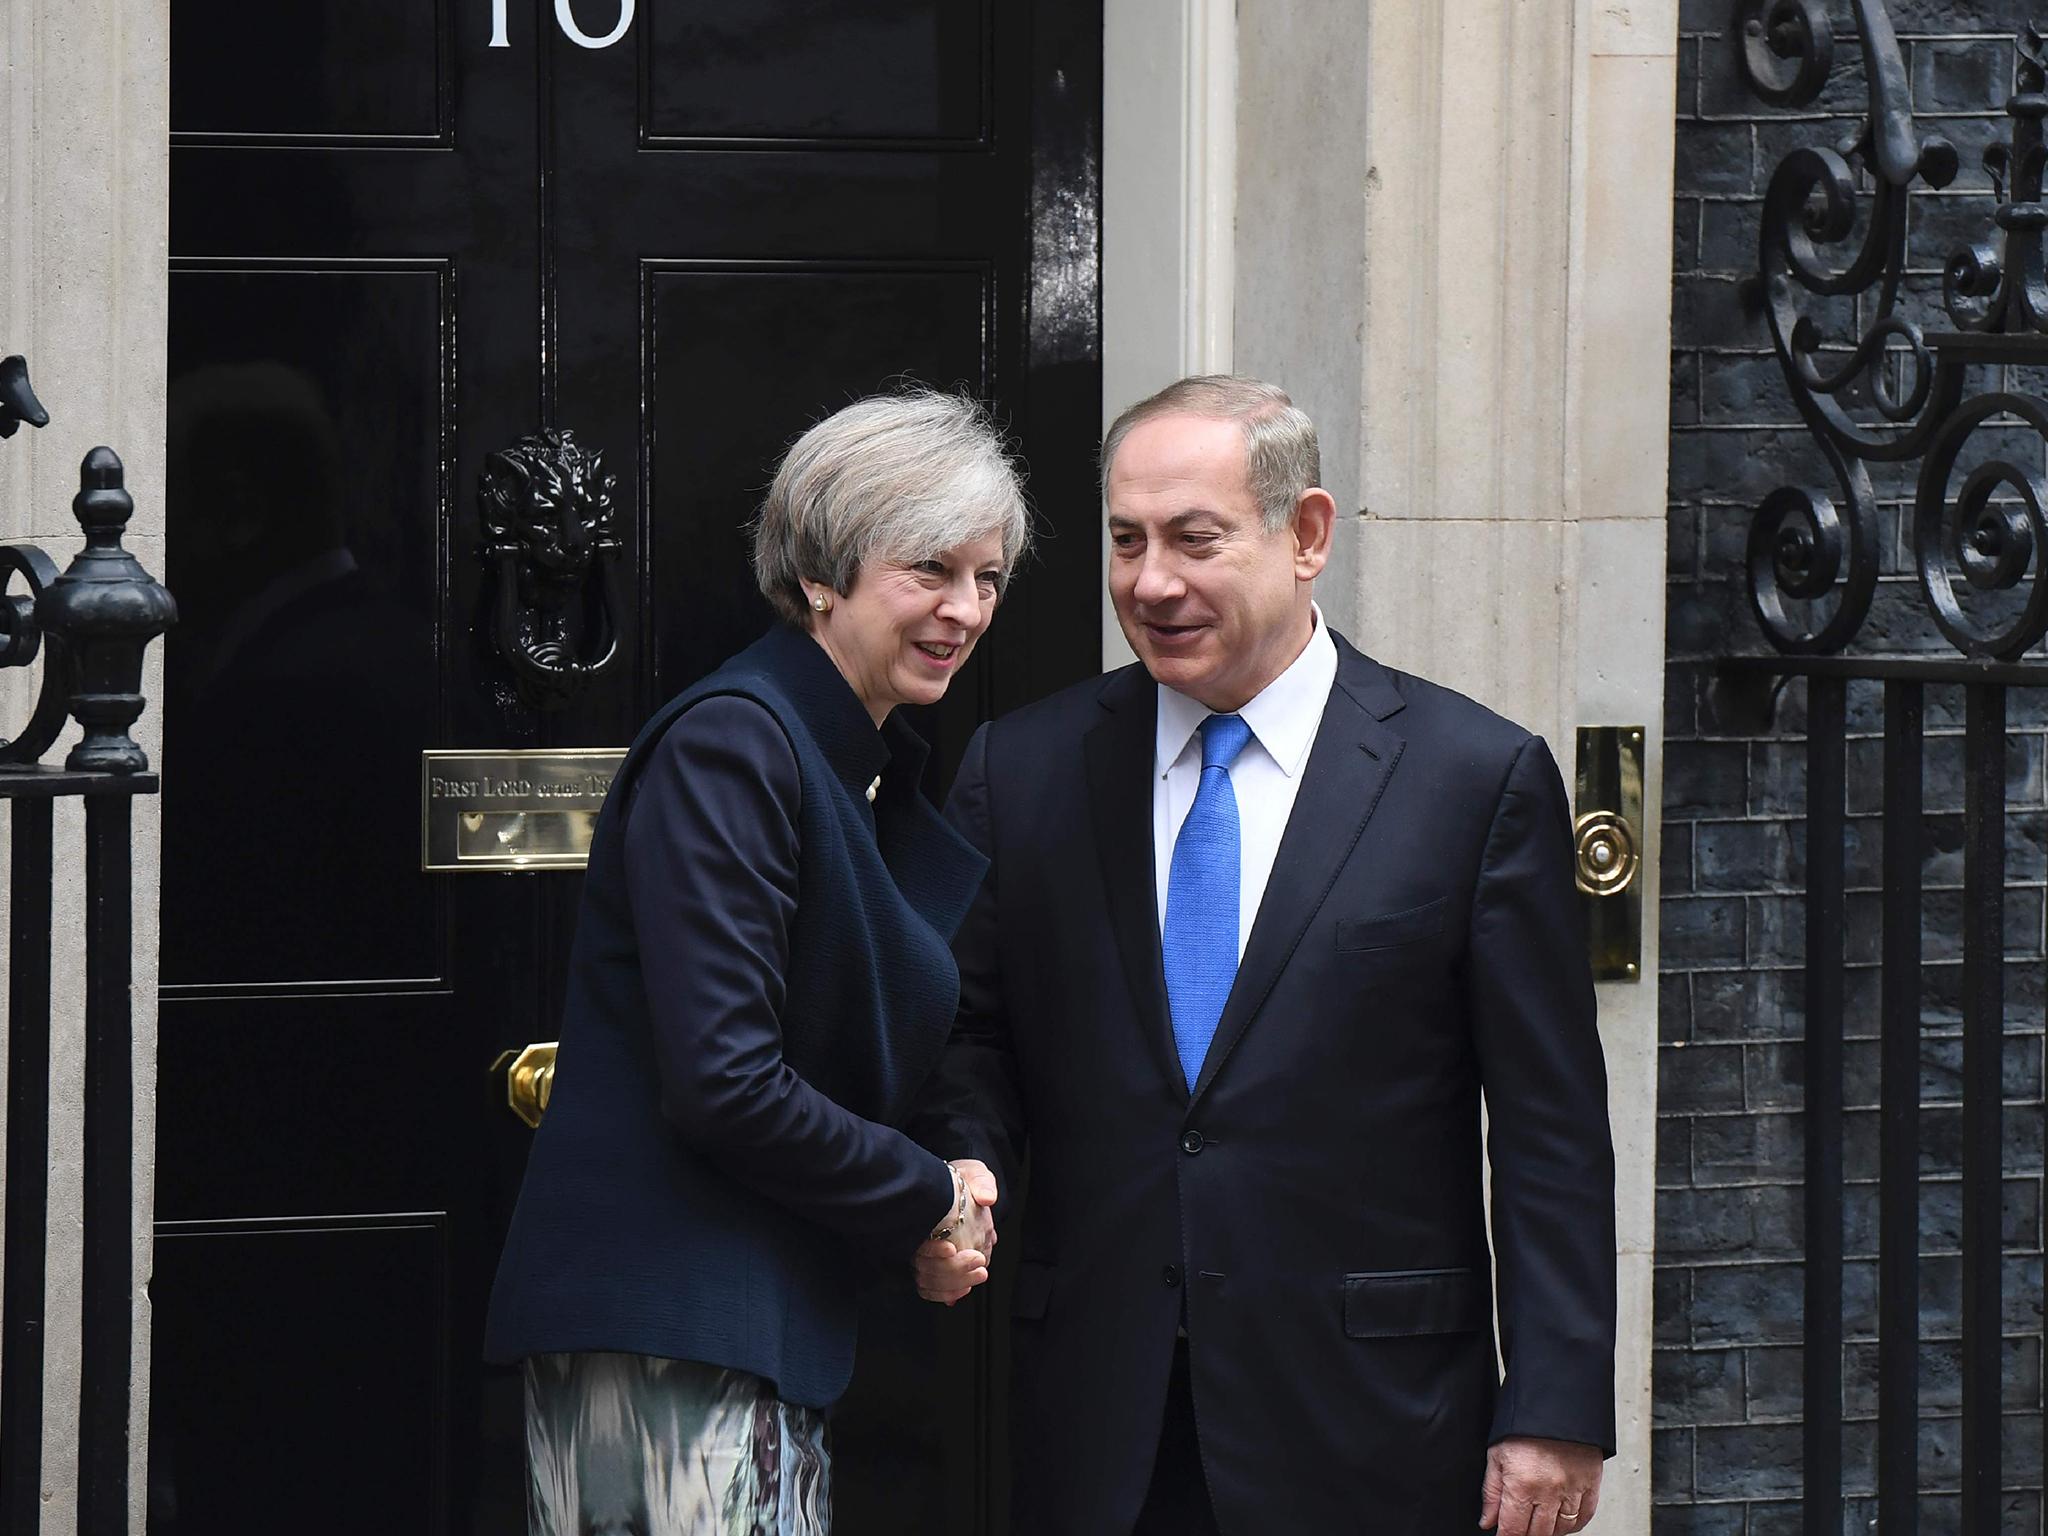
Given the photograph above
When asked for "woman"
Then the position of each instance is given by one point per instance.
(760, 981)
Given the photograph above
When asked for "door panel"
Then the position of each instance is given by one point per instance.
(321, 69)
(396, 250)
(915, 72)
(371, 1363)
(309, 487)
(720, 414)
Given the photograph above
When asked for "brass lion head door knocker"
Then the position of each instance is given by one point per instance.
(550, 540)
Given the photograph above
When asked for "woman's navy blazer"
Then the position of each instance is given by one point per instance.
(761, 980)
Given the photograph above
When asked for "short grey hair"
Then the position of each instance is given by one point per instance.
(899, 477)
(1280, 453)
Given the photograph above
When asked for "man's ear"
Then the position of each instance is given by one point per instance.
(1313, 524)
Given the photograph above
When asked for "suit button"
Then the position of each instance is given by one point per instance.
(1191, 1143)
(1171, 1274)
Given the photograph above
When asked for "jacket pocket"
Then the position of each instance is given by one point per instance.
(1033, 1289)
(1398, 1304)
(1390, 928)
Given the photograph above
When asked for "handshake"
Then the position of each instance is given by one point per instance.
(954, 1260)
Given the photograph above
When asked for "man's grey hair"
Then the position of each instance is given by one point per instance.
(1280, 453)
(900, 477)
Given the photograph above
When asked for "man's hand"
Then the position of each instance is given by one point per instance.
(1540, 1487)
(947, 1271)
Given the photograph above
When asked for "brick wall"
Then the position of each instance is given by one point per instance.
(1729, 1278)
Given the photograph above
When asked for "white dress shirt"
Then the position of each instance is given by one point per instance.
(1284, 719)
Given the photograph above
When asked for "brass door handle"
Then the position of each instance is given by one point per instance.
(529, 1079)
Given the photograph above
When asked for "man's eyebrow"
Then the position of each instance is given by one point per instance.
(1178, 520)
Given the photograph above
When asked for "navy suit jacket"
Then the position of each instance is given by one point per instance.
(1312, 1212)
(760, 981)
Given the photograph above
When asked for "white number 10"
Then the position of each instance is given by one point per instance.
(566, 20)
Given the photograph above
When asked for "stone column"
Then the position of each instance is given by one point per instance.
(84, 161)
(1169, 177)
(1453, 246)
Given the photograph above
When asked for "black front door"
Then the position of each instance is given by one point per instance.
(403, 237)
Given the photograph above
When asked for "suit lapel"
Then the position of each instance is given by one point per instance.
(1119, 757)
(1348, 768)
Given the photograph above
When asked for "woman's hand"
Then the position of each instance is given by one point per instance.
(980, 1226)
(949, 1267)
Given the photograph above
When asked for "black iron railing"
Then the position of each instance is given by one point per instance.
(1834, 225)
(90, 626)
(1742, 684)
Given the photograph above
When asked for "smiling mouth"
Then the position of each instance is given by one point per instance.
(937, 652)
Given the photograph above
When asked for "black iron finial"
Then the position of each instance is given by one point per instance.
(18, 403)
(108, 609)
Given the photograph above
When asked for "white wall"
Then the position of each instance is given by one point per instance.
(84, 146)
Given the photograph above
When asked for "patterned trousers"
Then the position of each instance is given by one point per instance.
(630, 1445)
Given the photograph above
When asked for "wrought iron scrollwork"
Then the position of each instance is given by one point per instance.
(2000, 284)
(1804, 548)
(22, 640)
(1787, 47)
(1994, 534)
(1801, 548)
(550, 538)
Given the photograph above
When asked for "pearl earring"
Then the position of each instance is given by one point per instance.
(822, 603)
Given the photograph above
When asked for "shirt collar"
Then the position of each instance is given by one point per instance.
(1283, 717)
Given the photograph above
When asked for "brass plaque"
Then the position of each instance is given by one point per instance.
(1607, 837)
(512, 810)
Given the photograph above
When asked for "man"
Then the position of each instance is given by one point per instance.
(1264, 920)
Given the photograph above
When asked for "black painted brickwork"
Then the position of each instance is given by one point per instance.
(1729, 1148)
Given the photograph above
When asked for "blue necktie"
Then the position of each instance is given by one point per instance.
(1199, 940)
